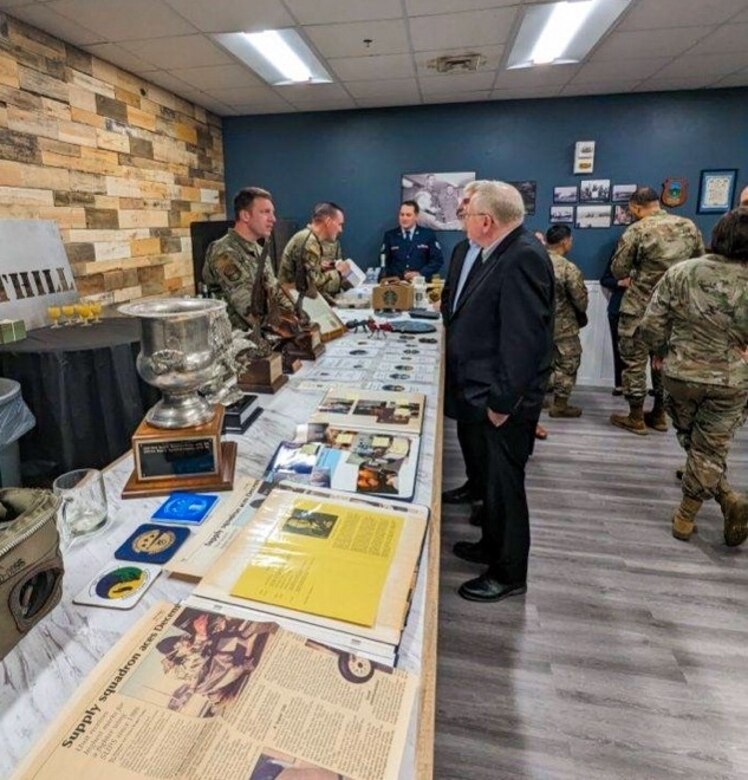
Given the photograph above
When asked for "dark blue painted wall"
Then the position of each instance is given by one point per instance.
(356, 157)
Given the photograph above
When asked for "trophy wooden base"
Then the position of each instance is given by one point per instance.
(307, 346)
(209, 483)
(263, 375)
(291, 363)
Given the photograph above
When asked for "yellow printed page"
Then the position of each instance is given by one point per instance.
(325, 559)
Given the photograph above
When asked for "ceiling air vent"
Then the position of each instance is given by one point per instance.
(457, 63)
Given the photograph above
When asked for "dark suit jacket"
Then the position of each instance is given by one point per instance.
(453, 278)
(422, 253)
(500, 337)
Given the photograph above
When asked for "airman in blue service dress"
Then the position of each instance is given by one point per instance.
(418, 252)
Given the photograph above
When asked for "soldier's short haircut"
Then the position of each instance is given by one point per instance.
(643, 196)
(556, 234)
(246, 196)
(730, 235)
(416, 208)
(327, 208)
(499, 200)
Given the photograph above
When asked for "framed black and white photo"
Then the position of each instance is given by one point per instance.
(622, 192)
(594, 190)
(529, 192)
(438, 196)
(593, 216)
(566, 194)
(621, 215)
(563, 214)
(717, 190)
(584, 157)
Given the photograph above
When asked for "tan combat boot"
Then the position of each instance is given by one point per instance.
(633, 421)
(561, 408)
(735, 511)
(656, 419)
(684, 518)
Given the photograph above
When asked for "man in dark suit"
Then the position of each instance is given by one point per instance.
(410, 250)
(499, 352)
(462, 260)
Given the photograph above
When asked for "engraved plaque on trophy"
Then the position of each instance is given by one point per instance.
(178, 445)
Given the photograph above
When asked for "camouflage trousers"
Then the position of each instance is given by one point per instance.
(706, 418)
(635, 355)
(567, 355)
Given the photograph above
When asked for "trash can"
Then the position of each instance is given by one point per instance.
(15, 420)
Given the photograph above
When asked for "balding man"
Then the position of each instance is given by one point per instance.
(499, 352)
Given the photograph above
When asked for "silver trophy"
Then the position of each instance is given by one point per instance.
(178, 355)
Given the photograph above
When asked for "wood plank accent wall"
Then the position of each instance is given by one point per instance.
(123, 166)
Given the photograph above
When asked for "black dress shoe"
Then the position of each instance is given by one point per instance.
(471, 551)
(458, 495)
(485, 588)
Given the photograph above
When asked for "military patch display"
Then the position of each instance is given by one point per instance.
(152, 544)
(118, 585)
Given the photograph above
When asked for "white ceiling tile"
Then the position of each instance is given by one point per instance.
(529, 92)
(610, 87)
(544, 76)
(692, 81)
(329, 104)
(462, 97)
(249, 109)
(6, 4)
(708, 65)
(741, 18)
(454, 83)
(111, 52)
(164, 79)
(240, 95)
(233, 15)
(385, 102)
(653, 14)
(729, 37)
(450, 31)
(115, 20)
(648, 43)
(429, 7)
(347, 40)
(384, 88)
(217, 76)
(311, 92)
(385, 66)
(169, 53)
(491, 54)
(65, 29)
(216, 106)
(621, 70)
(325, 11)
(739, 79)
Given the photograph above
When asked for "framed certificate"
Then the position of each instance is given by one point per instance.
(717, 190)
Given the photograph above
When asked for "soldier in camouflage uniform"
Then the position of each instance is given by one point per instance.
(698, 320)
(656, 241)
(308, 248)
(571, 308)
(232, 262)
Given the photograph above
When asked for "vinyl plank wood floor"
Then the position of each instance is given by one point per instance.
(628, 657)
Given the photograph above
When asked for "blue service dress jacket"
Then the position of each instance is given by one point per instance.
(422, 253)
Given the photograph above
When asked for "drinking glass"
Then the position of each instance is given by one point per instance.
(54, 313)
(68, 311)
(84, 506)
(96, 308)
(84, 310)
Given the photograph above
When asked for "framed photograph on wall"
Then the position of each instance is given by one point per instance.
(566, 194)
(621, 215)
(562, 214)
(584, 157)
(622, 192)
(594, 190)
(593, 216)
(438, 196)
(529, 192)
(717, 190)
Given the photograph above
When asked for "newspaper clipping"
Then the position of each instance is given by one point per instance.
(193, 695)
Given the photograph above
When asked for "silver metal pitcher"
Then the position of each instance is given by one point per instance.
(177, 355)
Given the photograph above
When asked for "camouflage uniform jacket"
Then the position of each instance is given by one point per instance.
(304, 247)
(646, 250)
(571, 295)
(331, 251)
(699, 315)
(230, 269)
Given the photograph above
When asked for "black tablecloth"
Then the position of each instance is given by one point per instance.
(82, 386)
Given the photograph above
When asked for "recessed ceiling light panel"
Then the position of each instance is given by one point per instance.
(563, 32)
